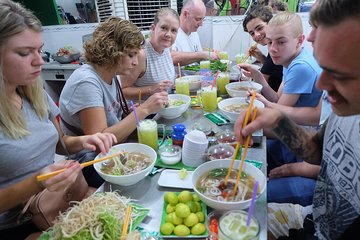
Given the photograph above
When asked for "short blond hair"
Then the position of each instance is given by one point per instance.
(288, 18)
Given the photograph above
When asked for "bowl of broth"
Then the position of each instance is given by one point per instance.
(208, 182)
(240, 89)
(134, 164)
(178, 104)
(232, 107)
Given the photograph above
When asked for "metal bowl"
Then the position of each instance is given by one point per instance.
(66, 58)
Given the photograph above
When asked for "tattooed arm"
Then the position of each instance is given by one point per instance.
(307, 145)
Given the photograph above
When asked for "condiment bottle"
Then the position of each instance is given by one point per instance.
(178, 134)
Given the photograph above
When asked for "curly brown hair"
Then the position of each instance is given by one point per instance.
(112, 40)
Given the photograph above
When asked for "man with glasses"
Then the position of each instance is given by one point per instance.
(187, 48)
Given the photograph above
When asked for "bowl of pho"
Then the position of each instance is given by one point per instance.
(133, 164)
(240, 89)
(194, 81)
(231, 107)
(178, 104)
(208, 182)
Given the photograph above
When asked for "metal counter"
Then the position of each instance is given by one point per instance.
(149, 194)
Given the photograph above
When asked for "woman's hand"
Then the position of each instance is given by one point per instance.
(162, 86)
(99, 141)
(62, 180)
(155, 102)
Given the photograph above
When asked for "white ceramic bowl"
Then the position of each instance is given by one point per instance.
(239, 89)
(232, 116)
(127, 180)
(176, 111)
(194, 81)
(223, 163)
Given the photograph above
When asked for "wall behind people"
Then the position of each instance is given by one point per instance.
(226, 34)
(220, 33)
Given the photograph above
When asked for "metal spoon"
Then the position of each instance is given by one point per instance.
(111, 163)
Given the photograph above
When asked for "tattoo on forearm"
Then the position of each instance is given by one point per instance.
(303, 144)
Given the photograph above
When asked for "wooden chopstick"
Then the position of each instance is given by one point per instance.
(126, 223)
(253, 94)
(243, 156)
(179, 70)
(46, 176)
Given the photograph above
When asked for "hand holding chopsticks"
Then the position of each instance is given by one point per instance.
(246, 144)
(46, 176)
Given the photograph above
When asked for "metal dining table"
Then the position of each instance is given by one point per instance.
(149, 194)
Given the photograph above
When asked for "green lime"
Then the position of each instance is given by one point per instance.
(196, 197)
(182, 210)
(175, 219)
(200, 216)
(198, 207)
(181, 230)
(167, 228)
(191, 220)
(166, 198)
(198, 229)
(169, 218)
(170, 208)
(185, 196)
(172, 198)
(192, 206)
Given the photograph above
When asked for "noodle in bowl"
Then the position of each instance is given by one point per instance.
(140, 159)
(217, 201)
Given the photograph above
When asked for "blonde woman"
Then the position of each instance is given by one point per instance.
(29, 133)
(155, 71)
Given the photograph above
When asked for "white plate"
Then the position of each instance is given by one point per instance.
(171, 178)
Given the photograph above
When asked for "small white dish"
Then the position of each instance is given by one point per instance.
(171, 178)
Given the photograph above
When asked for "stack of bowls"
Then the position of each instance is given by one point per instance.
(194, 148)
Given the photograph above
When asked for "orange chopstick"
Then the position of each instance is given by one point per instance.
(243, 156)
(179, 71)
(126, 223)
(46, 176)
(253, 94)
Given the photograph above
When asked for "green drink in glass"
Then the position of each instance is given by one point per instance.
(147, 132)
(221, 82)
(182, 86)
(209, 98)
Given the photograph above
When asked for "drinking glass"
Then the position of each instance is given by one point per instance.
(232, 226)
(147, 132)
(207, 96)
(204, 64)
(182, 86)
(221, 82)
(224, 55)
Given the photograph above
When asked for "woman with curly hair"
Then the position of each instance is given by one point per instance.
(92, 100)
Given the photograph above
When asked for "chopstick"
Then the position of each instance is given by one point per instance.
(126, 223)
(46, 176)
(253, 94)
(243, 156)
(179, 70)
(139, 96)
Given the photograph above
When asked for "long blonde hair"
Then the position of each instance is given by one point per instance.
(14, 19)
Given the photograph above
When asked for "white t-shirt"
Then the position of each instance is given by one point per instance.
(187, 43)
